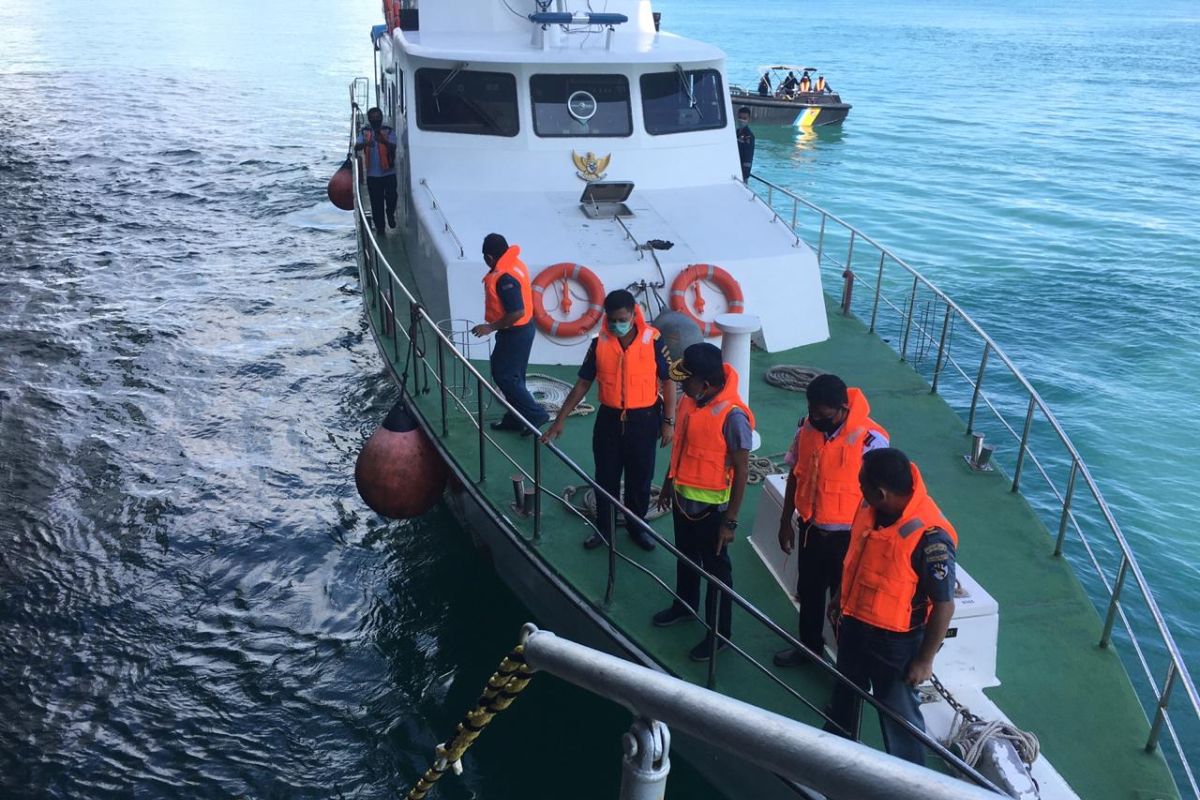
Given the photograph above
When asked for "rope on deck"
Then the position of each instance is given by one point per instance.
(792, 377)
(552, 392)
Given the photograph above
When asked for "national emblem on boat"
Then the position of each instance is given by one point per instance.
(589, 166)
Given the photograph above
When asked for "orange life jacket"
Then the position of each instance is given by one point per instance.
(507, 264)
(805, 84)
(381, 149)
(827, 492)
(628, 377)
(879, 584)
(700, 458)
(820, 85)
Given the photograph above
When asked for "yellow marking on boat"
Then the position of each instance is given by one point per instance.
(808, 117)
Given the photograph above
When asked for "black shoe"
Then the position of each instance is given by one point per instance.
(669, 616)
(642, 540)
(507, 425)
(391, 220)
(380, 232)
(538, 425)
(702, 651)
(791, 657)
(594, 541)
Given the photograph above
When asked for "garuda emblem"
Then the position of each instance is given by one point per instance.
(590, 168)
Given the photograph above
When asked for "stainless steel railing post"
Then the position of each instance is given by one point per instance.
(939, 363)
(611, 581)
(1160, 712)
(987, 348)
(912, 304)
(1016, 485)
(479, 422)
(441, 367)
(1111, 617)
(537, 487)
(821, 241)
(712, 636)
(1066, 512)
(878, 290)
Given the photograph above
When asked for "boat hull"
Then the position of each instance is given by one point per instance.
(774, 111)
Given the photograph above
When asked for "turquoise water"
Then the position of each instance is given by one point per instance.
(194, 600)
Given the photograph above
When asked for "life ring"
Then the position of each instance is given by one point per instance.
(691, 277)
(567, 271)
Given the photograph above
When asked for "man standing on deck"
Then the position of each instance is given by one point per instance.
(380, 145)
(897, 598)
(823, 495)
(508, 310)
(745, 141)
(630, 362)
(706, 482)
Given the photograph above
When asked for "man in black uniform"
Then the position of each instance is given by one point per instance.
(745, 141)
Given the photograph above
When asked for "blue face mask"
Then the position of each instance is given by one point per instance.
(620, 328)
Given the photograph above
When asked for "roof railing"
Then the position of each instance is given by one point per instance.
(959, 359)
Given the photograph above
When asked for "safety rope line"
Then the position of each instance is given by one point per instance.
(508, 681)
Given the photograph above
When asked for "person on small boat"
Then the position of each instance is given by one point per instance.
(705, 485)
(508, 310)
(788, 87)
(897, 598)
(823, 494)
(805, 84)
(629, 360)
(379, 142)
(745, 141)
(821, 86)
(764, 85)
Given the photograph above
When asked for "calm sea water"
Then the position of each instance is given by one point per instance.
(192, 598)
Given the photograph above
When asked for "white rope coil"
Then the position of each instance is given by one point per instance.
(552, 392)
(792, 377)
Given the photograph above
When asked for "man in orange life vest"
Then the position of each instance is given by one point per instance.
(508, 311)
(822, 492)
(897, 598)
(630, 362)
(705, 484)
(380, 143)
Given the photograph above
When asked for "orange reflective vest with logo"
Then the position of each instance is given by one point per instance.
(381, 149)
(820, 85)
(827, 492)
(507, 264)
(700, 458)
(879, 584)
(628, 376)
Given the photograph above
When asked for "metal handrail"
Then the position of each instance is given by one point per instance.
(1177, 671)
(447, 227)
(443, 341)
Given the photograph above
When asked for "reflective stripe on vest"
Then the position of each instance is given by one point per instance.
(381, 148)
(628, 377)
(700, 457)
(507, 264)
(826, 471)
(879, 584)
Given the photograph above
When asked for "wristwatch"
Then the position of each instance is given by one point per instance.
(730, 523)
(669, 420)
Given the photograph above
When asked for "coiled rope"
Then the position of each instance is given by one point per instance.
(762, 466)
(587, 500)
(552, 392)
(509, 680)
(792, 377)
(970, 733)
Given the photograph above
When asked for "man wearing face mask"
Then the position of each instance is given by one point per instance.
(745, 141)
(630, 362)
(822, 497)
(705, 486)
(379, 142)
(897, 599)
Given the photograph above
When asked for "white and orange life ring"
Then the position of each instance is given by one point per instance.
(566, 272)
(691, 277)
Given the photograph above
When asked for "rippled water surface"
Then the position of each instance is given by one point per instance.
(194, 601)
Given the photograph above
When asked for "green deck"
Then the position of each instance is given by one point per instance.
(1056, 681)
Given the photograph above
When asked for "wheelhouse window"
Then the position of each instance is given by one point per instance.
(581, 105)
(467, 101)
(683, 100)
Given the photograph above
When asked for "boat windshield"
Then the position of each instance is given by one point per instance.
(581, 105)
(683, 100)
(467, 101)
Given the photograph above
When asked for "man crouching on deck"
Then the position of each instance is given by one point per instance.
(897, 598)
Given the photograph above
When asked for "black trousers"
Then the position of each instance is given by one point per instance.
(509, 361)
(819, 563)
(625, 446)
(383, 195)
(696, 538)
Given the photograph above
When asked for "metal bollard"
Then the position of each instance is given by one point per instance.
(646, 764)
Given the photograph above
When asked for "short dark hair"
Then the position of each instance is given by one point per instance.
(743, 110)
(618, 299)
(827, 390)
(494, 245)
(374, 109)
(888, 468)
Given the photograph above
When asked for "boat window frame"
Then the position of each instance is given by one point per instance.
(721, 100)
(533, 104)
(448, 72)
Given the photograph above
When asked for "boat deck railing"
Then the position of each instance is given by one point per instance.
(434, 362)
(964, 364)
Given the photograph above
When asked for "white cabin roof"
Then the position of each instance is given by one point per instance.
(516, 48)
